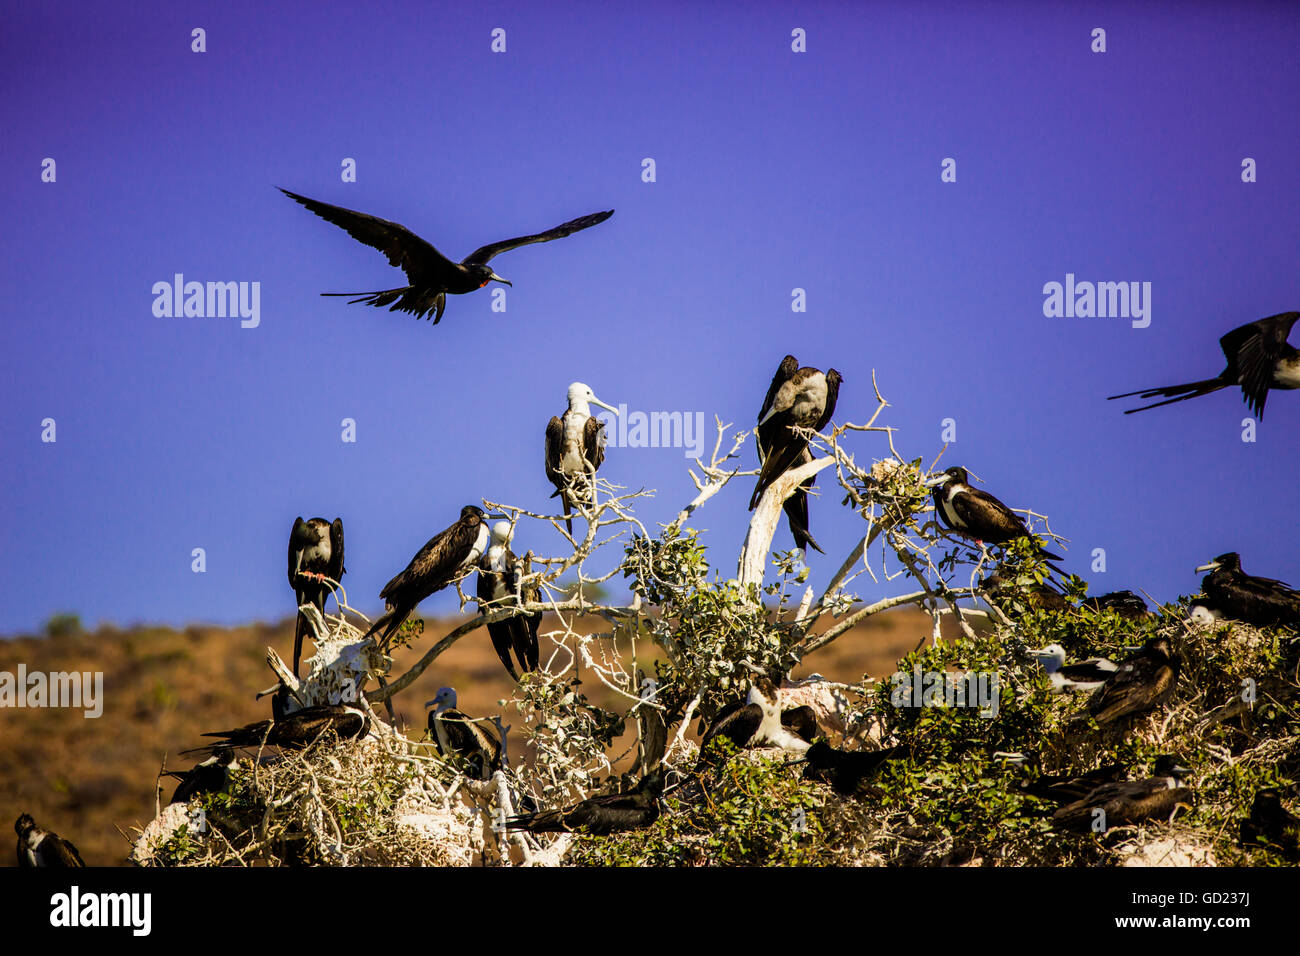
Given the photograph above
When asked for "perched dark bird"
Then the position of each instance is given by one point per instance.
(1271, 824)
(210, 776)
(1035, 594)
(1063, 788)
(37, 847)
(756, 723)
(1259, 358)
(575, 449)
(1126, 604)
(797, 398)
(296, 731)
(847, 770)
(455, 734)
(977, 514)
(1084, 675)
(1235, 594)
(500, 573)
(315, 553)
(444, 558)
(600, 815)
(432, 275)
(1129, 801)
(1141, 683)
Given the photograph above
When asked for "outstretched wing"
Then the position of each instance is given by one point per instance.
(1254, 350)
(483, 254)
(417, 258)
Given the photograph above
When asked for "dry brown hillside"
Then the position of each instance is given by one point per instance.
(88, 779)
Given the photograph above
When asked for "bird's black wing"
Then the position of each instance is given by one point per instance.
(554, 452)
(418, 259)
(593, 442)
(1139, 685)
(336, 568)
(738, 726)
(56, 851)
(979, 509)
(1254, 350)
(433, 567)
(484, 254)
(784, 372)
(299, 539)
(832, 396)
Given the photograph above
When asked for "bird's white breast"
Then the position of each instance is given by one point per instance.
(480, 544)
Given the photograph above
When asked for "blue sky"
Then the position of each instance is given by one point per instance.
(775, 170)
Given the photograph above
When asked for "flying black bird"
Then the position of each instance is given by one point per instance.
(600, 815)
(296, 731)
(210, 776)
(797, 398)
(1262, 602)
(315, 553)
(1084, 675)
(37, 847)
(1272, 824)
(1126, 604)
(756, 723)
(1129, 801)
(1141, 683)
(456, 734)
(847, 770)
(432, 275)
(1259, 358)
(1064, 788)
(575, 448)
(500, 572)
(444, 558)
(977, 514)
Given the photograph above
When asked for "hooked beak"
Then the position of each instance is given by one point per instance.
(429, 703)
(1212, 566)
(597, 401)
(499, 279)
(936, 481)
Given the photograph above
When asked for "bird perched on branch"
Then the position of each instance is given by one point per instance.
(1262, 602)
(210, 776)
(977, 514)
(600, 815)
(295, 731)
(500, 574)
(575, 449)
(455, 734)
(432, 275)
(1129, 801)
(43, 848)
(315, 554)
(1083, 675)
(1141, 683)
(796, 398)
(1126, 604)
(444, 558)
(1259, 358)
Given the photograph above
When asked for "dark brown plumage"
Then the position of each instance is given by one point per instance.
(500, 575)
(1235, 594)
(1270, 824)
(1127, 802)
(445, 557)
(847, 771)
(977, 514)
(600, 815)
(296, 731)
(1142, 682)
(315, 553)
(457, 735)
(432, 275)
